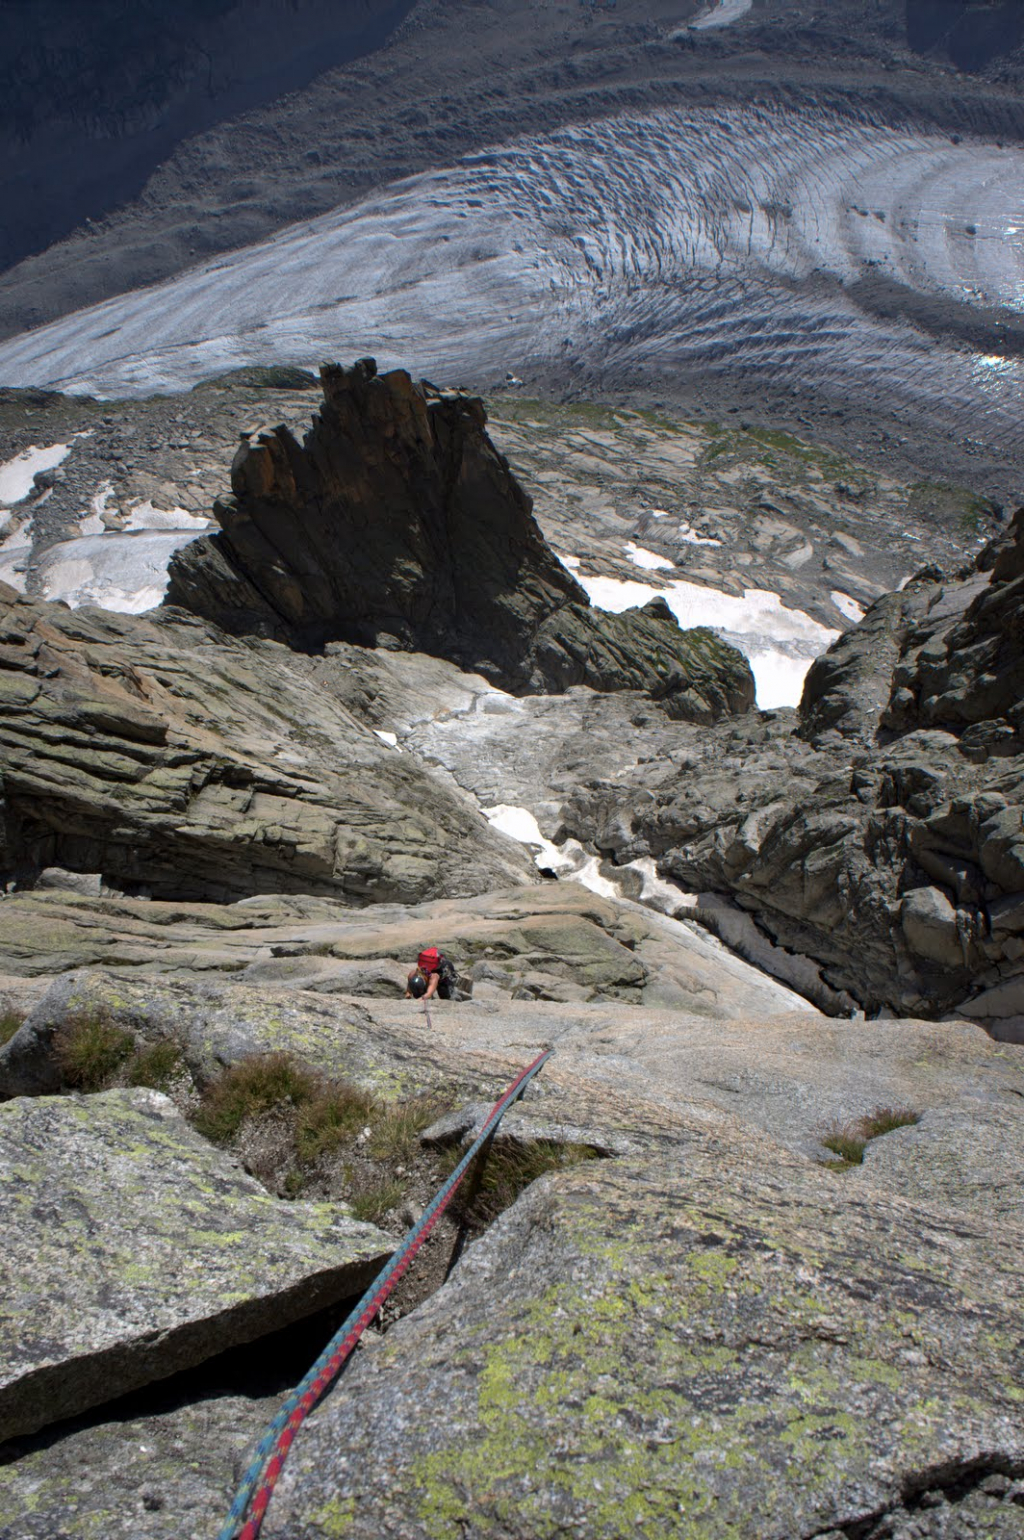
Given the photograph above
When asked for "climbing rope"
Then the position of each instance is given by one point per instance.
(253, 1497)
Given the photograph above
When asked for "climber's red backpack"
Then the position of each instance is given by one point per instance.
(429, 961)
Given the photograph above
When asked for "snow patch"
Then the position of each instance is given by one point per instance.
(17, 475)
(15, 551)
(780, 644)
(122, 572)
(145, 516)
(847, 606)
(589, 874)
(92, 523)
(690, 536)
(722, 14)
(391, 739)
(649, 560)
(521, 825)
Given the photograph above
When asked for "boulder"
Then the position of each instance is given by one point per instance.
(397, 523)
(131, 1250)
(930, 927)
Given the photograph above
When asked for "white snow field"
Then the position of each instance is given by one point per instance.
(17, 476)
(721, 13)
(780, 644)
(124, 572)
(720, 239)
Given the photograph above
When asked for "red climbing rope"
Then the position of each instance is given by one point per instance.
(253, 1497)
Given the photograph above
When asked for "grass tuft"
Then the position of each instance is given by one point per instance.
(90, 1050)
(885, 1119)
(155, 1065)
(848, 1141)
(507, 1171)
(395, 1130)
(332, 1118)
(250, 1087)
(10, 1021)
(372, 1202)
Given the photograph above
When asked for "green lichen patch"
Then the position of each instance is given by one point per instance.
(654, 1354)
(130, 1249)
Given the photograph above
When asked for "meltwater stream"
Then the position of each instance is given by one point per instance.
(718, 240)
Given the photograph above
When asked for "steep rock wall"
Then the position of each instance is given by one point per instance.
(397, 523)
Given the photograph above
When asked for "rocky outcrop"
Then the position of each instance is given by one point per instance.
(132, 1250)
(880, 833)
(897, 871)
(397, 523)
(171, 759)
(961, 666)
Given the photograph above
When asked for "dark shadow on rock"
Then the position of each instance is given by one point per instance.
(396, 523)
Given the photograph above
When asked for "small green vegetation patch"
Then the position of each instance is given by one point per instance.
(508, 1170)
(848, 1141)
(258, 1084)
(93, 1053)
(10, 1021)
(396, 1128)
(330, 1118)
(155, 1065)
(320, 1126)
(91, 1050)
(372, 1201)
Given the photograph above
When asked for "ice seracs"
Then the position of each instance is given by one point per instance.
(737, 241)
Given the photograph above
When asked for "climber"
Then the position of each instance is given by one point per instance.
(432, 975)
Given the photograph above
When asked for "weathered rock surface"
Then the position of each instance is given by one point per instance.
(168, 757)
(880, 834)
(224, 982)
(734, 1347)
(961, 667)
(692, 1325)
(398, 523)
(132, 1250)
(716, 1321)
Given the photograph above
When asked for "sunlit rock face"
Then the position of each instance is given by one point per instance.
(819, 251)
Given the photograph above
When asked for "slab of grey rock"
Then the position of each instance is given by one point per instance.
(132, 1249)
(679, 1324)
(166, 1473)
(732, 1344)
(169, 758)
